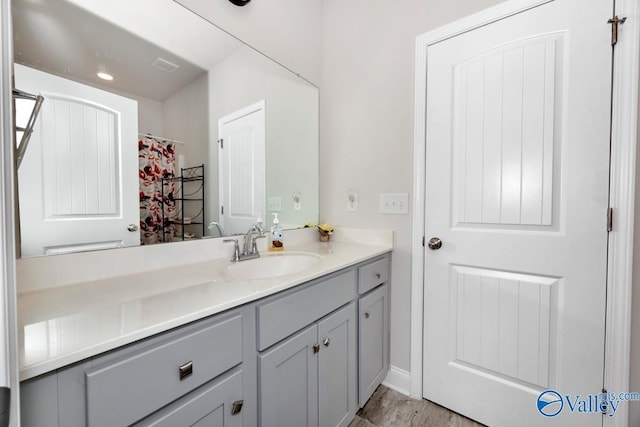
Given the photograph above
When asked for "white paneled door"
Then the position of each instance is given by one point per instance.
(517, 166)
(78, 182)
(242, 168)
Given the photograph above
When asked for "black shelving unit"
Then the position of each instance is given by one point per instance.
(188, 195)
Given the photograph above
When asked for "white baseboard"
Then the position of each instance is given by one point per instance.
(399, 380)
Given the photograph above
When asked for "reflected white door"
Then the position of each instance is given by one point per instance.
(517, 160)
(242, 174)
(78, 181)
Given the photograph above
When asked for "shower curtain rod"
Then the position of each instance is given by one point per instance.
(160, 137)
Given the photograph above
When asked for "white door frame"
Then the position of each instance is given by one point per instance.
(9, 375)
(622, 197)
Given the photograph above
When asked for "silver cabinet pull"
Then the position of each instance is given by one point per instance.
(186, 370)
(378, 275)
(326, 342)
(434, 243)
(236, 407)
(132, 228)
(316, 348)
(366, 314)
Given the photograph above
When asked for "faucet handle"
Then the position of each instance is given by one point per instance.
(254, 247)
(236, 249)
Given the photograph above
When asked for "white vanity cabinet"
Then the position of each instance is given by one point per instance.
(310, 378)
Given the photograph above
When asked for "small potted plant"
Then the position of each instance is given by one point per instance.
(325, 231)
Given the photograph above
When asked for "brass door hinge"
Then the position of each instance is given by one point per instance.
(615, 24)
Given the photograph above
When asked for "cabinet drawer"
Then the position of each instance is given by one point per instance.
(281, 317)
(210, 405)
(123, 391)
(373, 275)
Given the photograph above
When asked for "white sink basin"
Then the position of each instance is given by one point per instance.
(271, 265)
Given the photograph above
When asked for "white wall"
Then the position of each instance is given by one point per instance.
(186, 119)
(288, 31)
(149, 116)
(366, 125)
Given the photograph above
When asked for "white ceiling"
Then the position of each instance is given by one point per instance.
(73, 38)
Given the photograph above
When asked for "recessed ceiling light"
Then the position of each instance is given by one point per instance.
(103, 72)
(104, 76)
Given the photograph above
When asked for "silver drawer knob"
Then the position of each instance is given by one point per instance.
(132, 228)
(186, 370)
(326, 342)
(236, 407)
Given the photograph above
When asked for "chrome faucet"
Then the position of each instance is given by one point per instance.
(250, 248)
(213, 225)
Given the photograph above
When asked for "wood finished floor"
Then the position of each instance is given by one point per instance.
(388, 408)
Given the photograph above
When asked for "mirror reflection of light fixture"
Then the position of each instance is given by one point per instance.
(240, 2)
(103, 73)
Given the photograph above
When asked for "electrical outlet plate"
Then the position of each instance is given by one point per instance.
(353, 197)
(274, 204)
(297, 201)
(394, 203)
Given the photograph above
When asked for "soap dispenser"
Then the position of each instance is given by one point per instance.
(275, 236)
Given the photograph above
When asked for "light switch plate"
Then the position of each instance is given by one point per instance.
(274, 204)
(297, 201)
(394, 203)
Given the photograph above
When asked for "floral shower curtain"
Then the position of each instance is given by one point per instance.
(156, 161)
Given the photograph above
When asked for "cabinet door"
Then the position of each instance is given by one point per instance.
(337, 374)
(211, 405)
(289, 382)
(373, 357)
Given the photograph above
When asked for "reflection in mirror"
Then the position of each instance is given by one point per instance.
(156, 126)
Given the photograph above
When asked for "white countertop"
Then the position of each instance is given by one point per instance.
(62, 325)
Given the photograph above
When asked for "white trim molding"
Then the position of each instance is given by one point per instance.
(622, 196)
(8, 310)
(399, 380)
(624, 135)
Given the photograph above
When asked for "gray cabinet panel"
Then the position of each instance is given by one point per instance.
(125, 390)
(281, 316)
(373, 357)
(39, 397)
(337, 370)
(209, 406)
(72, 393)
(372, 275)
(288, 387)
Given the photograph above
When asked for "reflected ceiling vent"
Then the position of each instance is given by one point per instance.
(164, 65)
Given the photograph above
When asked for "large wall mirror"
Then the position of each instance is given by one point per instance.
(156, 126)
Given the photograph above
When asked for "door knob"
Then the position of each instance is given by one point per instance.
(132, 227)
(435, 243)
